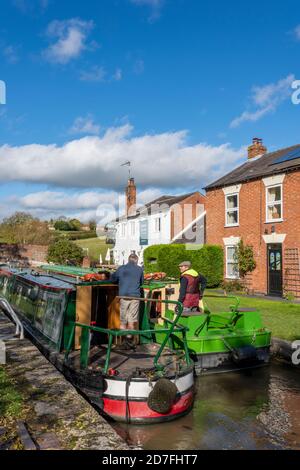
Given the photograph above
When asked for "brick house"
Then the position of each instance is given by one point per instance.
(260, 203)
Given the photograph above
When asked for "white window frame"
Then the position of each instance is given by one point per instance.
(237, 209)
(132, 229)
(230, 261)
(157, 225)
(123, 230)
(275, 203)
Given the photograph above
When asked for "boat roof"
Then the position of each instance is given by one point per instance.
(54, 281)
(68, 270)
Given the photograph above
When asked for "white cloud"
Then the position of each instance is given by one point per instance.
(158, 161)
(11, 54)
(117, 75)
(155, 6)
(265, 100)
(297, 32)
(139, 67)
(95, 74)
(30, 6)
(151, 3)
(84, 206)
(70, 38)
(85, 125)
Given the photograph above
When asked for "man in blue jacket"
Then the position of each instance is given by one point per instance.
(130, 279)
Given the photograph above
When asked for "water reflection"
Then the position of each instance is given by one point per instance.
(257, 409)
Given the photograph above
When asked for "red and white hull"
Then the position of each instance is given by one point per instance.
(134, 408)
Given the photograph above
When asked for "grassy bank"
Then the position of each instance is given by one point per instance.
(10, 399)
(12, 409)
(96, 246)
(283, 318)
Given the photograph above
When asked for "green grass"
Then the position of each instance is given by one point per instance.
(96, 246)
(10, 400)
(282, 318)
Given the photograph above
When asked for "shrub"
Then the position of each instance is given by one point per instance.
(232, 286)
(65, 252)
(245, 258)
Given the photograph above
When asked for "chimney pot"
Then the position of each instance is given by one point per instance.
(257, 149)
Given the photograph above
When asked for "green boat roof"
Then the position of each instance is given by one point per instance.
(68, 270)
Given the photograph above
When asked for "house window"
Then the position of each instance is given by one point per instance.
(157, 226)
(232, 210)
(123, 230)
(232, 269)
(274, 203)
(132, 228)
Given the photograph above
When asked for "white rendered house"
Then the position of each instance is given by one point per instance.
(167, 219)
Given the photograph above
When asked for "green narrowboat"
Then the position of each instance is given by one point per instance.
(220, 340)
(72, 315)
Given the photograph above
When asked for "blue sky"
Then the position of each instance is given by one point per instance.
(179, 87)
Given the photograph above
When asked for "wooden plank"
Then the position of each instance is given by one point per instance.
(83, 310)
(25, 437)
(113, 309)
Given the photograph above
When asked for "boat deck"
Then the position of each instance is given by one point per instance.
(128, 362)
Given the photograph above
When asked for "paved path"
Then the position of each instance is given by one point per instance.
(57, 417)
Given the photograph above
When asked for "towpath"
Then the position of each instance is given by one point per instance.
(56, 416)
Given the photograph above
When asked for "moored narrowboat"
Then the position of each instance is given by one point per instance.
(72, 315)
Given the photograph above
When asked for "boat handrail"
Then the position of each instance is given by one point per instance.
(19, 327)
(86, 329)
(233, 308)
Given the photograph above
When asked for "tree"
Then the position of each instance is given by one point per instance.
(244, 256)
(23, 228)
(62, 225)
(64, 251)
(93, 225)
(75, 225)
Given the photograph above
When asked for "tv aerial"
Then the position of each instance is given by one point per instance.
(129, 167)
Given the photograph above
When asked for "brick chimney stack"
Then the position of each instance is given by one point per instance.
(257, 149)
(131, 197)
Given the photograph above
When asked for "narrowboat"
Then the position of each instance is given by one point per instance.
(72, 315)
(219, 339)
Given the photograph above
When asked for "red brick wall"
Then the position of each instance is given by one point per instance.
(30, 254)
(252, 217)
(193, 200)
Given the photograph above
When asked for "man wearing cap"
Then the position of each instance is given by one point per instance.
(192, 285)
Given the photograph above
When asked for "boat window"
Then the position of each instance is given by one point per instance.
(49, 314)
(3, 284)
(40, 310)
(54, 316)
(33, 293)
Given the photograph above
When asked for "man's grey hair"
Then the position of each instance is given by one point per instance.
(133, 258)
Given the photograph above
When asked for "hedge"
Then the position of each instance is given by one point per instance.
(208, 260)
(150, 258)
(76, 235)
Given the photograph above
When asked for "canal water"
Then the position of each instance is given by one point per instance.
(257, 409)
